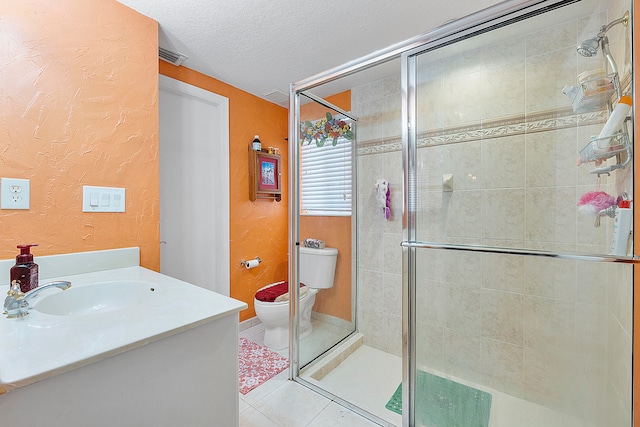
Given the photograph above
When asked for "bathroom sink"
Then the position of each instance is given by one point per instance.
(96, 298)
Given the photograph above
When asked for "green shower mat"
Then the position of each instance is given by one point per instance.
(444, 403)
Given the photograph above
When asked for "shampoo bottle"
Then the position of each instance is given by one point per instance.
(25, 271)
(617, 117)
(256, 145)
(621, 228)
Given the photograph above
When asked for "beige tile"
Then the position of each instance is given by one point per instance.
(302, 404)
(392, 253)
(555, 37)
(502, 366)
(617, 413)
(551, 216)
(592, 282)
(430, 265)
(503, 161)
(547, 74)
(465, 62)
(620, 361)
(243, 405)
(588, 396)
(462, 355)
(335, 415)
(370, 251)
(503, 272)
(392, 115)
(463, 310)
(462, 103)
(503, 214)
(565, 218)
(431, 217)
(549, 324)
(541, 213)
(253, 418)
(461, 161)
(429, 344)
(620, 294)
(505, 52)
(502, 316)
(551, 158)
(507, 83)
(265, 389)
(549, 377)
(430, 166)
(463, 216)
(432, 301)
(392, 293)
(429, 98)
(551, 277)
(370, 290)
(462, 268)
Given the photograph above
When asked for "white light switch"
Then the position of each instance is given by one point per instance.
(103, 199)
(14, 193)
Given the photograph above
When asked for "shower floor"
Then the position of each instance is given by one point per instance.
(369, 377)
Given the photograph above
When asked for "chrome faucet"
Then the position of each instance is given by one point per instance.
(16, 304)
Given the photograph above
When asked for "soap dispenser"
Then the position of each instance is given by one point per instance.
(25, 271)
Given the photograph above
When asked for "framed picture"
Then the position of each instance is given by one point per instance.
(264, 175)
(268, 173)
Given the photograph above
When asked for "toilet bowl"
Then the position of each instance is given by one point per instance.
(317, 270)
(275, 317)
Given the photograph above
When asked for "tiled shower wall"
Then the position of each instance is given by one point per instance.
(555, 332)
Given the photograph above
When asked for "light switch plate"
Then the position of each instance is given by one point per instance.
(14, 193)
(103, 199)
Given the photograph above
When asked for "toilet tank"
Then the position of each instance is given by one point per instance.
(318, 267)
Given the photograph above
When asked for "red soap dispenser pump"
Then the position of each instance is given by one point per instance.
(25, 271)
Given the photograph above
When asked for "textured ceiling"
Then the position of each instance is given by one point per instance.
(262, 46)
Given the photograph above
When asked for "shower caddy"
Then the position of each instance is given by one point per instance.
(601, 149)
(595, 92)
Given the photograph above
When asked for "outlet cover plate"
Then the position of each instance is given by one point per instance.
(14, 193)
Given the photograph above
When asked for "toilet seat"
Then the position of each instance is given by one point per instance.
(276, 292)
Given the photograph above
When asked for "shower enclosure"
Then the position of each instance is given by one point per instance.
(493, 291)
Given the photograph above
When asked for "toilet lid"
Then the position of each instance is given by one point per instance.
(272, 292)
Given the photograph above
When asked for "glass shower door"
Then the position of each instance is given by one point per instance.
(326, 218)
(520, 317)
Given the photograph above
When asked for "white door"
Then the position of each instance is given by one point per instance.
(194, 185)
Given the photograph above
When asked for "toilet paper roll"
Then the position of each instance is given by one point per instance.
(251, 264)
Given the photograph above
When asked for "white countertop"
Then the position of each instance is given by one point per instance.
(40, 345)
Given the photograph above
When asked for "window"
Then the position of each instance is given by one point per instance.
(326, 178)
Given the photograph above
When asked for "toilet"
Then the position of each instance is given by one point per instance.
(317, 270)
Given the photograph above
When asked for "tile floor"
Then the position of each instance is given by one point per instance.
(367, 378)
(283, 403)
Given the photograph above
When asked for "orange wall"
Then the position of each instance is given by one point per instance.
(256, 228)
(334, 230)
(78, 106)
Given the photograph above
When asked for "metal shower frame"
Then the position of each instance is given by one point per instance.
(495, 16)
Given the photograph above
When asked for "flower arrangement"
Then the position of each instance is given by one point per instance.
(324, 129)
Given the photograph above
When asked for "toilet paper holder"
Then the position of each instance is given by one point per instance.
(244, 263)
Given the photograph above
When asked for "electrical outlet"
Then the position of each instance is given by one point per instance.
(14, 193)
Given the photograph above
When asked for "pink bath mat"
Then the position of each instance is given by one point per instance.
(257, 364)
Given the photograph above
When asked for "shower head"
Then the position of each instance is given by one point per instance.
(589, 48)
